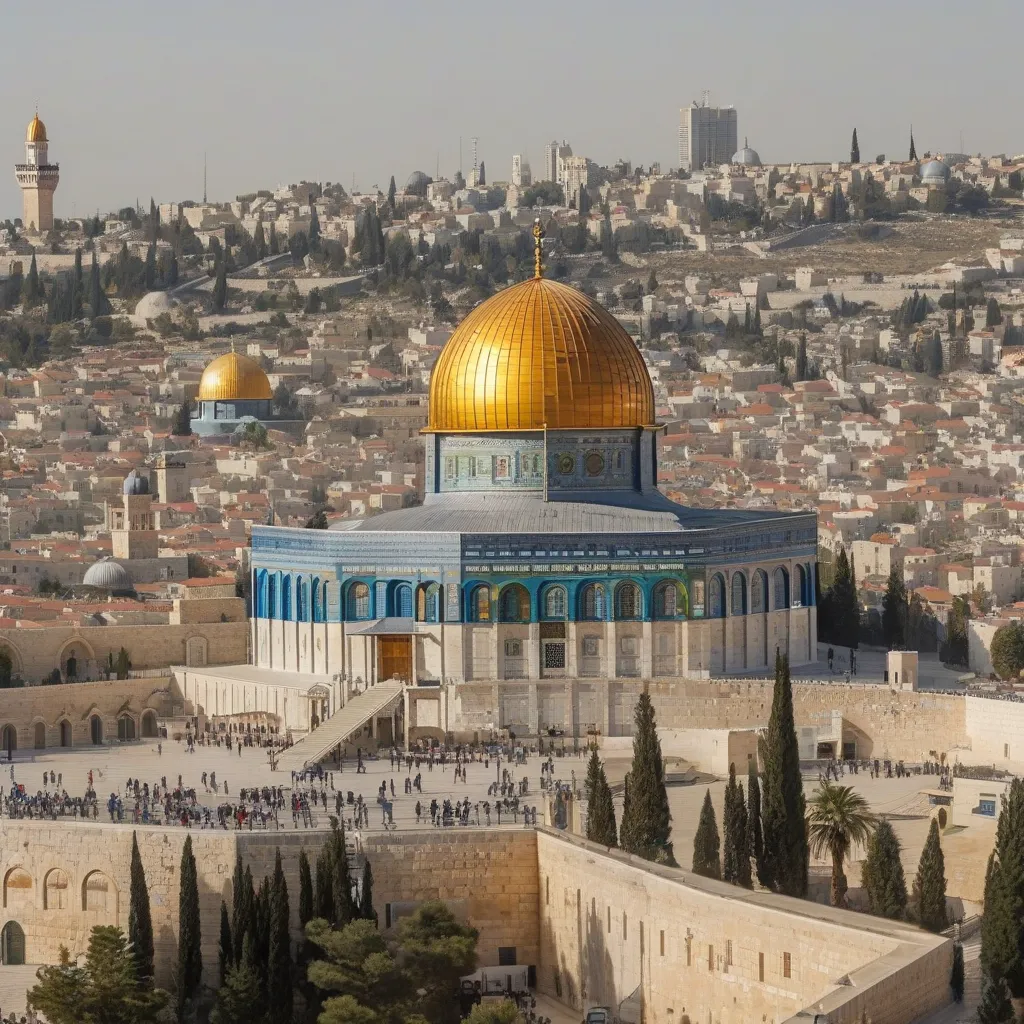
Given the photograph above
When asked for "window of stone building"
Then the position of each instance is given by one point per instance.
(609, 920)
(662, 943)
(711, 958)
(728, 952)
(760, 966)
(787, 965)
(624, 928)
(506, 956)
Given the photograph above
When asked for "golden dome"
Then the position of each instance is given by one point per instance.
(36, 131)
(540, 353)
(232, 377)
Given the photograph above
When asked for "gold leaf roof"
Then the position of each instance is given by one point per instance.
(540, 353)
(36, 131)
(231, 377)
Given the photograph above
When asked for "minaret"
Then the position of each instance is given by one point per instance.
(38, 180)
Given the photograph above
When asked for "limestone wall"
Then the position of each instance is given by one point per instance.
(996, 730)
(488, 876)
(613, 928)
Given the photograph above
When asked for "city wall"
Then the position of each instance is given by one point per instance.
(616, 929)
(600, 927)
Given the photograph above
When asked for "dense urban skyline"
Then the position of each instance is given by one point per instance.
(133, 99)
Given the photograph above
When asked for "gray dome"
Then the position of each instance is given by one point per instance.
(135, 483)
(106, 574)
(935, 172)
(151, 305)
(746, 156)
(417, 183)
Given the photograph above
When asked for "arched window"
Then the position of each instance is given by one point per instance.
(738, 601)
(716, 597)
(669, 600)
(554, 603)
(780, 586)
(428, 604)
(480, 603)
(402, 601)
(315, 603)
(323, 603)
(592, 602)
(262, 605)
(514, 604)
(801, 577)
(357, 605)
(301, 599)
(272, 596)
(286, 598)
(759, 592)
(126, 727)
(628, 602)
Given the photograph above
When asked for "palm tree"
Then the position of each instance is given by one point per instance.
(837, 818)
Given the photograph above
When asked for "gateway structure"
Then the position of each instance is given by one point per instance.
(543, 553)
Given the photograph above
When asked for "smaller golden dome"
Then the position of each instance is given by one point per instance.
(36, 131)
(234, 377)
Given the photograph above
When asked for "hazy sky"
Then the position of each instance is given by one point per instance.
(133, 92)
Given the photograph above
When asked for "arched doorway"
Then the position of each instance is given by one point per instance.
(9, 739)
(149, 725)
(96, 730)
(126, 728)
(65, 733)
(12, 945)
(39, 736)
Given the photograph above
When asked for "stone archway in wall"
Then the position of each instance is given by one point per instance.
(99, 898)
(9, 739)
(77, 660)
(96, 730)
(39, 736)
(10, 653)
(12, 945)
(149, 726)
(67, 735)
(196, 651)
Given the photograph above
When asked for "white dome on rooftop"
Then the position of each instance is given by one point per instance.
(106, 574)
(746, 156)
(935, 172)
(151, 305)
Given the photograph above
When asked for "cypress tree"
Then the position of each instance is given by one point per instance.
(392, 190)
(956, 975)
(260, 241)
(323, 894)
(706, 846)
(854, 149)
(79, 297)
(239, 910)
(190, 956)
(275, 249)
(305, 890)
(366, 911)
(220, 286)
(279, 957)
(314, 229)
(995, 1007)
(341, 882)
(736, 850)
(783, 824)
(172, 271)
(801, 359)
(150, 271)
(843, 604)
(140, 920)
(97, 300)
(261, 931)
(1002, 925)
(33, 290)
(647, 822)
(894, 610)
(754, 819)
(600, 809)
(930, 884)
(882, 874)
(225, 949)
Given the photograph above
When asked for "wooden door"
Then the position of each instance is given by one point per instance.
(394, 658)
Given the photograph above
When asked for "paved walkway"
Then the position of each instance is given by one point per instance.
(964, 1013)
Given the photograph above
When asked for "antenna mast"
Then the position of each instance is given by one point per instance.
(204, 177)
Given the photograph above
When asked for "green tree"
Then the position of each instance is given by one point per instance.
(505, 1012)
(601, 826)
(32, 293)
(956, 974)
(929, 897)
(274, 246)
(279, 957)
(995, 1007)
(801, 359)
(882, 874)
(106, 990)
(190, 957)
(318, 520)
(736, 848)
(240, 999)
(314, 229)
(220, 287)
(854, 149)
(225, 952)
(140, 920)
(1002, 926)
(843, 605)
(646, 822)
(894, 610)
(122, 664)
(341, 881)
(1007, 650)
(392, 192)
(305, 890)
(652, 282)
(79, 294)
(707, 859)
(366, 911)
(181, 424)
(956, 648)
(259, 240)
(323, 893)
(783, 825)
(837, 818)
(754, 820)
